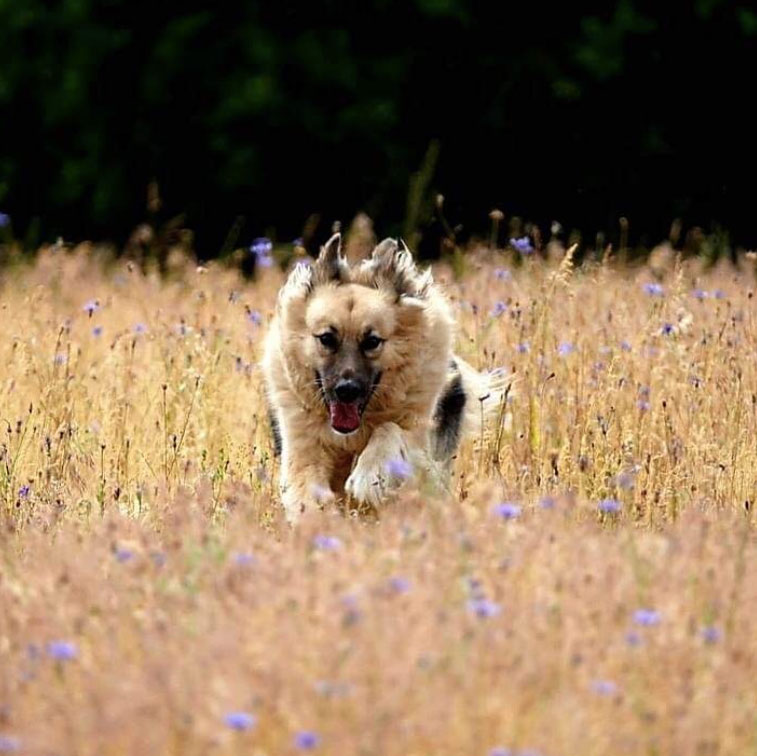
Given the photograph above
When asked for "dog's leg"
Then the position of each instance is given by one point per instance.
(304, 483)
(382, 466)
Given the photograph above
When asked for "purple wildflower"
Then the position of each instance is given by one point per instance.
(500, 308)
(5, 220)
(565, 348)
(306, 740)
(711, 634)
(240, 720)
(547, 502)
(61, 650)
(700, 294)
(644, 405)
(609, 506)
(719, 294)
(243, 559)
(140, 328)
(97, 331)
(327, 543)
(604, 687)
(523, 245)
(633, 639)
(483, 607)
(667, 329)
(8, 744)
(499, 751)
(24, 491)
(91, 307)
(60, 359)
(625, 346)
(654, 289)
(399, 584)
(646, 617)
(261, 249)
(123, 555)
(625, 481)
(523, 347)
(254, 317)
(501, 274)
(399, 467)
(507, 510)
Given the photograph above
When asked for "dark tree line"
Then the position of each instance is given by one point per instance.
(252, 116)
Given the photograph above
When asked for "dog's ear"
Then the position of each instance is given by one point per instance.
(330, 265)
(392, 263)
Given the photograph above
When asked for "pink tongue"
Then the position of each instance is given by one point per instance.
(345, 416)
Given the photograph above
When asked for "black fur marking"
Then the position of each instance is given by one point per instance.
(275, 432)
(448, 419)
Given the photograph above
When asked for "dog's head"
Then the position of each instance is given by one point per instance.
(348, 327)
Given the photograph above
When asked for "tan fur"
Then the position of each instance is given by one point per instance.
(387, 294)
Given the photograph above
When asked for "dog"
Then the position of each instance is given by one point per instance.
(361, 381)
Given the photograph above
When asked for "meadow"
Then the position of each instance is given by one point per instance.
(588, 585)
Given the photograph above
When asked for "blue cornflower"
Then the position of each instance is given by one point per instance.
(261, 249)
(399, 467)
(60, 359)
(523, 245)
(604, 687)
(565, 348)
(307, 740)
(24, 492)
(654, 289)
(243, 558)
(140, 328)
(97, 331)
(123, 555)
(700, 294)
(719, 294)
(254, 317)
(327, 543)
(625, 345)
(501, 274)
(625, 480)
(507, 510)
(609, 506)
(644, 405)
(8, 744)
(646, 617)
(483, 607)
(240, 720)
(667, 329)
(711, 634)
(523, 347)
(5, 220)
(547, 502)
(633, 639)
(61, 650)
(399, 584)
(500, 308)
(91, 307)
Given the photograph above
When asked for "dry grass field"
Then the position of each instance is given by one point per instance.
(588, 587)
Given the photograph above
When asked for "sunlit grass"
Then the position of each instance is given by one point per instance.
(587, 588)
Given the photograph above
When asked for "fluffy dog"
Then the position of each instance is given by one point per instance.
(361, 380)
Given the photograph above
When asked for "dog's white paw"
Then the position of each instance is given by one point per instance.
(381, 468)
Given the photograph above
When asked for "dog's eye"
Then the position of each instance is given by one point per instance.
(369, 343)
(328, 340)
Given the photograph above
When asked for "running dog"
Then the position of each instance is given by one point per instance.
(361, 381)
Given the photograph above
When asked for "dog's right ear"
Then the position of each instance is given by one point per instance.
(330, 265)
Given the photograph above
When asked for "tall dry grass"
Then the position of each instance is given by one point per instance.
(153, 601)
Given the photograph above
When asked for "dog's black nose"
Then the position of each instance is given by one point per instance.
(348, 390)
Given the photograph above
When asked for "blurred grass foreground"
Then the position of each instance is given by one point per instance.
(588, 586)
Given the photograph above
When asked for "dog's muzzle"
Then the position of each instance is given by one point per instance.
(346, 403)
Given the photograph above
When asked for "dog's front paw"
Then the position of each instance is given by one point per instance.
(298, 502)
(381, 468)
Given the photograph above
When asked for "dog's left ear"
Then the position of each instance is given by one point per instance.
(330, 265)
(393, 262)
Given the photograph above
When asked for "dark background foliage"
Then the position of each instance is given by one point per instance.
(255, 115)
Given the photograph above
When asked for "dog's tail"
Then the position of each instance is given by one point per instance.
(471, 404)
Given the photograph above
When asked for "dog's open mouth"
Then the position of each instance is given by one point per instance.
(345, 416)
